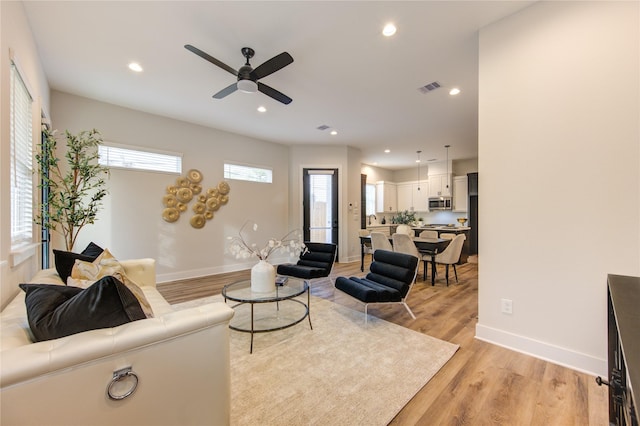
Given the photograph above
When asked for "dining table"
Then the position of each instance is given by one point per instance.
(426, 246)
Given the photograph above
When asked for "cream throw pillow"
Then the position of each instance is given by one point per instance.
(84, 274)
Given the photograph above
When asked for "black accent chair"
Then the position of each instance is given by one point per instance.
(316, 261)
(390, 279)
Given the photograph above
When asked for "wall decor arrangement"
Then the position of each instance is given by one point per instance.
(189, 188)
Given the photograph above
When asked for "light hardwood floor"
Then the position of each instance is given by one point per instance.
(482, 384)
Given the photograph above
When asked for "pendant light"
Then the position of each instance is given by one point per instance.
(447, 177)
(418, 161)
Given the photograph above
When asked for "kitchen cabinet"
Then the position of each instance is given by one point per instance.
(460, 194)
(412, 196)
(386, 197)
(405, 196)
(440, 185)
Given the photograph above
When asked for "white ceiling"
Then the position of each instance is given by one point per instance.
(345, 74)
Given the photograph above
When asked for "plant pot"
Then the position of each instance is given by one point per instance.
(263, 277)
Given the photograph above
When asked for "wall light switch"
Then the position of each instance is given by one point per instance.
(506, 306)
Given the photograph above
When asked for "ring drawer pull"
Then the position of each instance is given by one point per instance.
(119, 376)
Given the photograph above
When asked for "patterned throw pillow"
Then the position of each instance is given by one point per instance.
(85, 273)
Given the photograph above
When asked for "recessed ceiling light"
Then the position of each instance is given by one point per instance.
(134, 66)
(262, 109)
(454, 91)
(389, 30)
(386, 151)
(334, 132)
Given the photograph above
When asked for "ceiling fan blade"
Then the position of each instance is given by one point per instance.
(226, 91)
(211, 59)
(272, 65)
(270, 91)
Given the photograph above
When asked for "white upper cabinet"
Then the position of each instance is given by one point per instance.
(440, 185)
(405, 196)
(413, 196)
(460, 194)
(386, 197)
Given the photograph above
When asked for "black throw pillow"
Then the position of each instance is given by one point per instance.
(92, 250)
(64, 260)
(55, 311)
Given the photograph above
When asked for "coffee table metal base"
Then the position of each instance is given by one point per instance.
(269, 317)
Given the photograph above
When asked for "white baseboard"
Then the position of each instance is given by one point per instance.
(555, 354)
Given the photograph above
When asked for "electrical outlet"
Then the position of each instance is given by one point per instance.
(507, 306)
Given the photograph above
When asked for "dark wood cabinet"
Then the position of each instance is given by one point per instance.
(472, 182)
(623, 348)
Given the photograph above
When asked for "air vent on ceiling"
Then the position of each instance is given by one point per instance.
(429, 87)
(323, 127)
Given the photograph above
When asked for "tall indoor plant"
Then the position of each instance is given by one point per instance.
(75, 188)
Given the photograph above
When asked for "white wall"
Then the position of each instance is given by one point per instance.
(347, 161)
(15, 35)
(131, 225)
(559, 168)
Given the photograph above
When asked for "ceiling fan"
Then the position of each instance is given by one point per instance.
(247, 76)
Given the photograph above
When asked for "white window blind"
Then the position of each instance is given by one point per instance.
(111, 155)
(249, 173)
(21, 140)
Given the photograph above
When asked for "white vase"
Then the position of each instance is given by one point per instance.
(263, 277)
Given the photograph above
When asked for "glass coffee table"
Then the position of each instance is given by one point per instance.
(271, 311)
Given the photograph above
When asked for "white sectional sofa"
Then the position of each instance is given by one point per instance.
(181, 360)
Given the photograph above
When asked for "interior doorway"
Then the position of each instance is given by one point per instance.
(320, 205)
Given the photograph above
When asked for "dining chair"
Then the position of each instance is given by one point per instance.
(405, 229)
(380, 241)
(451, 255)
(447, 236)
(367, 245)
(429, 234)
(402, 243)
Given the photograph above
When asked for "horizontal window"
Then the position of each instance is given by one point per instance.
(250, 173)
(119, 156)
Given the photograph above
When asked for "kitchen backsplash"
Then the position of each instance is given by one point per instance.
(439, 217)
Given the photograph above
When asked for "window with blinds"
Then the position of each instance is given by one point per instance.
(248, 173)
(371, 199)
(123, 157)
(21, 152)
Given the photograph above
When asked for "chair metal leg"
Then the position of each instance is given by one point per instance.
(409, 310)
(366, 315)
(456, 272)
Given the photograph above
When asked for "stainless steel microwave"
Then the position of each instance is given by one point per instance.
(440, 203)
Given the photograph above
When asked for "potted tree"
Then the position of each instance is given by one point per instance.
(75, 187)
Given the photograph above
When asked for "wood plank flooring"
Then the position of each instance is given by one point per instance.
(482, 384)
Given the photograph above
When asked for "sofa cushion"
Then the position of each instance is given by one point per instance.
(64, 260)
(85, 274)
(55, 311)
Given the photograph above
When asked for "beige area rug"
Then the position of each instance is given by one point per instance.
(343, 372)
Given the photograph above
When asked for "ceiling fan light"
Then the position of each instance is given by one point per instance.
(247, 86)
